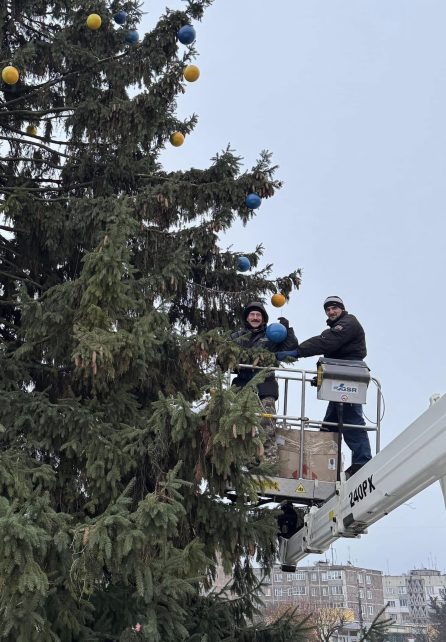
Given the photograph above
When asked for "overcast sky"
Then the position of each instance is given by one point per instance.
(350, 97)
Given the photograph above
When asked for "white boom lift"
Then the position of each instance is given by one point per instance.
(411, 462)
(415, 459)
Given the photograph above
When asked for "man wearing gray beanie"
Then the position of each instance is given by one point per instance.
(344, 339)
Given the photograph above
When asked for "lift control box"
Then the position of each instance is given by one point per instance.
(342, 380)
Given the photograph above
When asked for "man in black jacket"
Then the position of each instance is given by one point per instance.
(253, 336)
(344, 339)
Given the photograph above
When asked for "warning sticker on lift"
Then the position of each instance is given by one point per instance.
(361, 491)
(300, 489)
(267, 485)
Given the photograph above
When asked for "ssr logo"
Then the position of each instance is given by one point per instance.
(341, 387)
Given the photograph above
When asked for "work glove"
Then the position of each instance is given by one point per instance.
(284, 322)
(281, 356)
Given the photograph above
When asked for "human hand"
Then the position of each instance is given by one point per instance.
(284, 322)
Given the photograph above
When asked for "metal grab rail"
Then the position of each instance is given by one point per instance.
(303, 422)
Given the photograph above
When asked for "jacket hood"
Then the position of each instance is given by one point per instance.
(259, 307)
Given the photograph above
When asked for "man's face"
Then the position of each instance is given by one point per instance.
(333, 312)
(255, 319)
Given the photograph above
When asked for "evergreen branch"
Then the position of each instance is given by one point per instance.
(214, 291)
(37, 114)
(35, 179)
(21, 278)
(9, 245)
(38, 33)
(30, 160)
(34, 142)
(5, 260)
(62, 199)
(51, 140)
(177, 180)
(70, 74)
(46, 120)
(8, 190)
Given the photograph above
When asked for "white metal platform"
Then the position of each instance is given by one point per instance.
(307, 492)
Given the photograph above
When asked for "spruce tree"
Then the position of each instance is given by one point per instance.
(437, 616)
(119, 434)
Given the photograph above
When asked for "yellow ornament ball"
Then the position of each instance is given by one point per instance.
(94, 21)
(177, 139)
(191, 73)
(278, 300)
(10, 75)
(31, 130)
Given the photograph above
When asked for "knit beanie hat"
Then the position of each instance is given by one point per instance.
(334, 300)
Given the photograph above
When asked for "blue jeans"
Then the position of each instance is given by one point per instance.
(357, 440)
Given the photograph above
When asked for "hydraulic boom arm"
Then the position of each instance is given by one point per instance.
(410, 463)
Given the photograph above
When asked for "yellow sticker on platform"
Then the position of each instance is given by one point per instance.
(268, 485)
(300, 489)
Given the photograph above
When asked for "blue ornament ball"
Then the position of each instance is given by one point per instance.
(132, 37)
(186, 35)
(243, 264)
(253, 201)
(276, 332)
(121, 17)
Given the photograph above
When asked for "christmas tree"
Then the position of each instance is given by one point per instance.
(119, 435)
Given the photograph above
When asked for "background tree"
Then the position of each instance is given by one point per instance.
(377, 631)
(322, 622)
(289, 612)
(328, 621)
(437, 616)
(115, 298)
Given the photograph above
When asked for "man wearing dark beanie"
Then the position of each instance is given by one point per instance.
(253, 336)
(344, 339)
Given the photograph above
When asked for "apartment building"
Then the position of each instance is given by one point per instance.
(363, 591)
(408, 596)
(327, 586)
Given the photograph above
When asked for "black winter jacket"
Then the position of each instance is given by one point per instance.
(248, 339)
(345, 339)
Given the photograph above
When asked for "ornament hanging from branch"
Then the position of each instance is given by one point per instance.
(243, 264)
(10, 75)
(278, 300)
(94, 21)
(253, 201)
(132, 37)
(121, 17)
(186, 35)
(191, 73)
(177, 139)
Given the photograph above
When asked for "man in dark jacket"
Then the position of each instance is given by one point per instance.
(344, 339)
(253, 336)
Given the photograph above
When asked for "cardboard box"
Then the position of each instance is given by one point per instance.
(320, 454)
